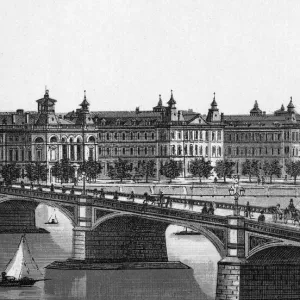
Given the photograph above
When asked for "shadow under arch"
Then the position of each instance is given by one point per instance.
(194, 226)
(66, 212)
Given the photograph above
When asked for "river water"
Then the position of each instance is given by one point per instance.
(197, 283)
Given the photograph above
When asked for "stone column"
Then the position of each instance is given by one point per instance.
(229, 268)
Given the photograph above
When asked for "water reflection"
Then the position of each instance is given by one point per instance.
(128, 284)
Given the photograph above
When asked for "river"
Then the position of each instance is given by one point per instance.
(197, 283)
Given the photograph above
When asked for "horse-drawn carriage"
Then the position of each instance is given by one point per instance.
(285, 215)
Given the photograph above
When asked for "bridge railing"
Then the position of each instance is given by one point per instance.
(39, 194)
(174, 199)
(273, 229)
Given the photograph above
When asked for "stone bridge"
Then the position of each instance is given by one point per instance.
(253, 255)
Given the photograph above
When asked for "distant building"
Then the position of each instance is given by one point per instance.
(262, 136)
(159, 134)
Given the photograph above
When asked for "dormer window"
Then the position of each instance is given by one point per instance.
(103, 122)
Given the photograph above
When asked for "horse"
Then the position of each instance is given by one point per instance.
(277, 213)
(293, 215)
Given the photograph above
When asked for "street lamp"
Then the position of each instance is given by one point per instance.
(236, 191)
(83, 180)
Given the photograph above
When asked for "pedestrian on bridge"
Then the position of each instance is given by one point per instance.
(131, 196)
(63, 189)
(169, 202)
(116, 196)
(72, 191)
(191, 204)
(40, 189)
(102, 193)
(31, 185)
(248, 210)
(261, 217)
(211, 209)
(22, 185)
(52, 188)
(204, 209)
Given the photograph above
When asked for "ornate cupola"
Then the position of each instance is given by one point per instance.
(255, 111)
(291, 107)
(84, 104)
(84, 117)
(213, 113)
(171, 102)
(46, 110)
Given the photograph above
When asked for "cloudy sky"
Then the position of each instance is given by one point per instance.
(126, 53)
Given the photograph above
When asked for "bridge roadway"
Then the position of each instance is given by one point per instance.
(180, 209)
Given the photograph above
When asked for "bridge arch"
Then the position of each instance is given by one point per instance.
(209, 234)
(64, 210)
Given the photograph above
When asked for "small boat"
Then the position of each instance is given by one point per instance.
(53, 219)
(186, 232)
(20, 267)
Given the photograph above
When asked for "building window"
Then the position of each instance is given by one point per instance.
(146, 136)
(191, 150)
(116, 135)
(213, 136)
(146, 150)
(138, 151)
(72, 152)
(153, 136)
(185, 149)
(22, 155)
(219, 151)
(196, 148)
(123, 136)
(214, 151)
(138, 135)
(65, 151)
(116, 151)
(219, 135)
(131, 151)
(237, 151)
(91, 153)
(79, 152)
(107, 151)
(206, 135)
(173, 150)
(10, 155)
(206, 151)
(100, 151)
(186, 135)
(124, 151)
(201, 151)
(200, 135)
(52, 154)
(229, 150)
(153, 151)
(39, 155)
(17, 154)
(196, 135)
(179, 150)
(172, 135)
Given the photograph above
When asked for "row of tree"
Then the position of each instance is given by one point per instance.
(123, 169)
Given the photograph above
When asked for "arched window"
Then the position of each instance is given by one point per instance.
(173, 150)
(196, 148)
(146, 150)
(116, 151)
(206, 151)
(107, 151)
(71, 140)
(123, 136)
(219, 151)
(39, 140)
(63, 140)
(91, 139)
(191, 150)
(213, 136)
(138, 151)
(131, 135)
(116, 135)
(152, 135)
(78, 140)
(146, 136)
(179, 150)
(213, 151)
(201, 151)
(53, 139)
(124, 151)
(107, 136)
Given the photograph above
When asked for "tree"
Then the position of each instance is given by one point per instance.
(146, 169)
(250, 168)
(36, 171)
(10, 172)
(91, 168)
(201, 168)
(293, 169)
(224, 168)
(171, 169)
(63, 170)
(272, 168)
(121, 170)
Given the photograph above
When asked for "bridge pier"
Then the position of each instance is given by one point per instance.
(229, 268)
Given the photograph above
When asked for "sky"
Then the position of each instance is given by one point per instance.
(125, 53)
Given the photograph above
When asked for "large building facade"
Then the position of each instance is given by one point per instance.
(159, 134)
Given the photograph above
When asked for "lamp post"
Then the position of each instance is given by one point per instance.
(83, 181)
(236, 191)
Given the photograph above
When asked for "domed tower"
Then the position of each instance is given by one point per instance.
(213, 113)
(291, 107)
(84, 117)
(255, 111)
(171, 109)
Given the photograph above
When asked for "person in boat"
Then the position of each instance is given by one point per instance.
(291, 206)
(204, 209)
(131, 196)
(4, 277)
(211, 209)
(116, 196)
(261, 217)
(53, 221)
